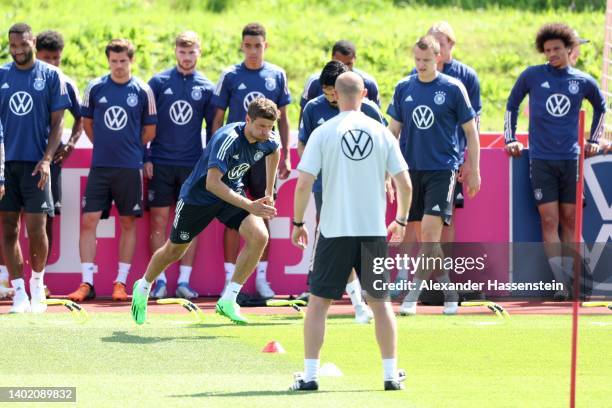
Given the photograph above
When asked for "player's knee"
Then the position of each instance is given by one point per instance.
(89, 222)
(259, 235)
(549, 222)
(568, 220)
(158, 222)
(10, 232)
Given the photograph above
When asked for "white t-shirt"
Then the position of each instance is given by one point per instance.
(354, 152)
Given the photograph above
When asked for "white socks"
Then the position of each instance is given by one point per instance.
(185, 274)
(390, 369)
(311, 369)
(229, 271)
(123, 271)
(87, 270)
(19, 286)
(354, 291)
(262, 267)
(143, 287)
(37, 278)
(231, 291)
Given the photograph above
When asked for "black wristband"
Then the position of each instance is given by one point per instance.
(403, 224)
(297, 224)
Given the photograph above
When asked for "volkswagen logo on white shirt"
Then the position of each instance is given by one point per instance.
(181, 112)
(238, 171)
(423, 117)
(115, 118)
(558, 105)
(21, 103)
(357, 144)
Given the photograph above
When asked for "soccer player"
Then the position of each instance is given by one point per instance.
(238, 86)
(33, 97)
(184, 100)
(316, 112)
(215, 189)
(445, 35)
(49, 48)
(119, 117)
(426, 109)
(345, 52)
(354, 153)
(556, 91)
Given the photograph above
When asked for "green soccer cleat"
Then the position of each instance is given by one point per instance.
(230, 310)
(139, 305)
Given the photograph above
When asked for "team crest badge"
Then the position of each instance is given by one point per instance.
(574, 88)
(538, 194)
(39, 84)
(258, 155)
(132, 100)
(184, 236)
(196, 93)
(270, 83)
(439, 98)
(151, 195)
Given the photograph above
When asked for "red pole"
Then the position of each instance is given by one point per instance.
(577, 258)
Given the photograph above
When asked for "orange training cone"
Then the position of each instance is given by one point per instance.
(273, 347)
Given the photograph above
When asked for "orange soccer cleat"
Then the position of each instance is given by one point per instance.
(119, 293)
(84, 292)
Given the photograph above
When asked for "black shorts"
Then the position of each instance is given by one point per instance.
(22, 190)
(190, 220)
(56, 187)
(335, 258)
(553, 180)
(318, 199)
(458, 202)
(164, 188)
(432, 194)
(108, 184)
(255, 180)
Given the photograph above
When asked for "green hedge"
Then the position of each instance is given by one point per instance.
(497, 42)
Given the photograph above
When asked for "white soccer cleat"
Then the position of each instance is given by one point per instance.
(264, 289)
(408, 308)
(160, 291)
(21, 302)
(184, 291)
(450, 308)
(38, 297)
(363, 314)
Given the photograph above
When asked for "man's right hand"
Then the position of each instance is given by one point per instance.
(262, 209)
(148, 170)
(514, 149)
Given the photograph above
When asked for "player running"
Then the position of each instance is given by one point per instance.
(215, 189)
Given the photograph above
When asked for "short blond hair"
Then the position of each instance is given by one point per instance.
(428, 42)
(442, 27)
(187, 39)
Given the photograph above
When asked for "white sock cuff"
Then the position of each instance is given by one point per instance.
(124, 267)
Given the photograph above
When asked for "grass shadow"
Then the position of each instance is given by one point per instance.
(261, 393)
(127, 338)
